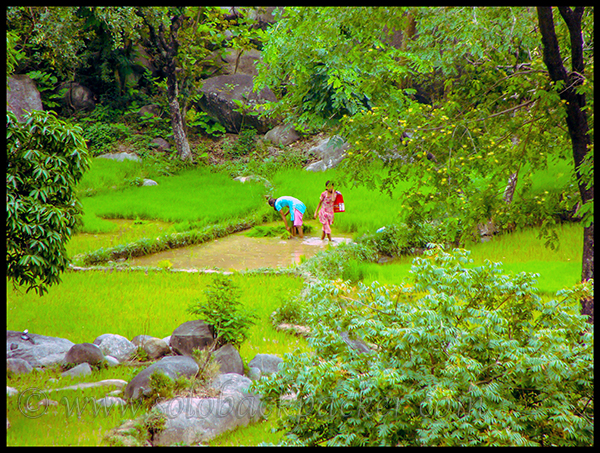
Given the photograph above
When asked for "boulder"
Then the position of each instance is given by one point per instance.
(172, 367)
(229, 359)
(79, 97)
(266, 363)
(239, 61)
(38, 350)
(191, 335)
(282, 135)
(11, 391)
(83, 369)
(154, 347)
(219, 96)
(193, 420)
(18, 366)
(149, 109)
(22, 95)
(358, 345)
(160, 144)
(84, 353)
(116, 346)
(330, 151)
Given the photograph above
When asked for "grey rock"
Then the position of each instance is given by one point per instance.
(282, 135)
(18, 366)
(22, 95)
(84, 352)
(39, 350)
(330, 151)
(266, 363)
(116, 346)
(219, 98)
(172, 367)
(83, 369)
(229, 359)
(193, 420)
(191, 335)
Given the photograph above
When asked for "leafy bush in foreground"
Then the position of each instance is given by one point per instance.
(222, 309)
(459, 357)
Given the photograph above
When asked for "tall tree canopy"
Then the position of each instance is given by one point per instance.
(458, 97)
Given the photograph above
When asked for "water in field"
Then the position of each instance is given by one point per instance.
(239, 252)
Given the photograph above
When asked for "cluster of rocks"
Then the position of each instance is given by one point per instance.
(189, 420)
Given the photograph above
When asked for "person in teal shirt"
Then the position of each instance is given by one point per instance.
(296, 209)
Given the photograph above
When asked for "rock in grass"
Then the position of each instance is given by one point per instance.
(37, 350)
(116, 346)
(173, 367)
(266, 363)
(193, 420)
(18, 366)
(84, 353)
(191, 335)
(83, 369)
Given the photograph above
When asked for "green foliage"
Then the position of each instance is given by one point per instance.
(162, 387)
(45, 83)
(455, 108)
(261, 231)
(102, 136)
(291, 311)
(201, 121)
(46, 157)
(221, 309)
(335, 263)
(13, 55)
(208, 367)
(458, 356)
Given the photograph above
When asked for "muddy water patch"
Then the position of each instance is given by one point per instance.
(239, 252)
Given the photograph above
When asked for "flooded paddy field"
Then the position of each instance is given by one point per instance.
(239, 252)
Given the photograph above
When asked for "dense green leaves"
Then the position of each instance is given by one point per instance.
(46, 157)
(459, 356)
(461, 102)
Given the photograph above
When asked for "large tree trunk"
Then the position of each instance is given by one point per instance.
(168, 46)
(181, 141)
(577, 121)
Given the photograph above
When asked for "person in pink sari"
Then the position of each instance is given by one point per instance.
(325, 209)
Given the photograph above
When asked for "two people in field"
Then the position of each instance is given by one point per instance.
(296, 209)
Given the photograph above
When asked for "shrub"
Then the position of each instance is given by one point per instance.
(461, 356)
(335, 263)
(222, 309)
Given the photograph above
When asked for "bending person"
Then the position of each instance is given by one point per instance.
(295, 208)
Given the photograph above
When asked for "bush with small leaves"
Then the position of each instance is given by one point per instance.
(460, 356)
(222, 310)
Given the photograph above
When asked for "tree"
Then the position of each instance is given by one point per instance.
(569, 86)
(463, 103)
(46, 157)
(164, 25)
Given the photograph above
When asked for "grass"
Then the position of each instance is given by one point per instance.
(75, 420)
(131, 303)
(88, 304)
(366, 209)
(521, 251)
(117, 231)
(194, 196)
